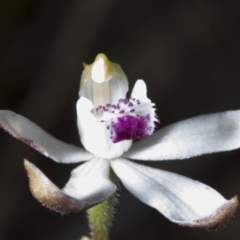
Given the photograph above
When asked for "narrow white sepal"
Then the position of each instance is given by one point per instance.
(180, 199)
(192, 137)
(28, 132)
(90, 182)
(140, 90)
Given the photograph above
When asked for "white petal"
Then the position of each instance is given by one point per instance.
(29, 133)
(49, 194)
(88, 185)
(180, 199)
(139, 90)
(90, 182)
(94, 134)
(192, 137)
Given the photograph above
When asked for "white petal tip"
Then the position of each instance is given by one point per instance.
(221, 217)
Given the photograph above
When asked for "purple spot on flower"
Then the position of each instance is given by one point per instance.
(122, 111)
(132, 110)
(131, 127)
(99, 108)
(130, 104)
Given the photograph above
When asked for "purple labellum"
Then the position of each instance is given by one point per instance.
(129, 119)
(131, 127)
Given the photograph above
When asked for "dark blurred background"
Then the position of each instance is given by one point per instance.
(187, 51)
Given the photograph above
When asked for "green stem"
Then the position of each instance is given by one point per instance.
(101, 216)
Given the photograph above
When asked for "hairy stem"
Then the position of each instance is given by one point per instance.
(101, 216)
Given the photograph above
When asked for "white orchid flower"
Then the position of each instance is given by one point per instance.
(108, 124)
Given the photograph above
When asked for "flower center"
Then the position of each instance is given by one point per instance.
(129, 119)
(107, 121)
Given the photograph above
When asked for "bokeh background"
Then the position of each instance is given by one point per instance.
(187, 51)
